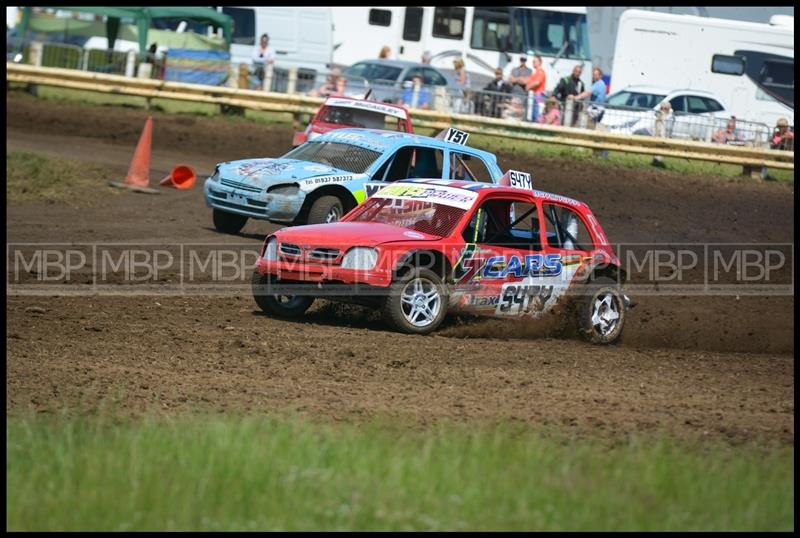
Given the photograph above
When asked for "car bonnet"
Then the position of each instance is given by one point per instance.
(263, 172)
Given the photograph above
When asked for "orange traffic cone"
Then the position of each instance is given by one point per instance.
(138, 178)
(181, 177)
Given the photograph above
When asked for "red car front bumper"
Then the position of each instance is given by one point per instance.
(319, 273)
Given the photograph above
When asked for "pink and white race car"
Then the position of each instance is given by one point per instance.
(343, 112)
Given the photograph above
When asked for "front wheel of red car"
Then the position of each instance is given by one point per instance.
(282, 306)
(417, 302)
(601, 311)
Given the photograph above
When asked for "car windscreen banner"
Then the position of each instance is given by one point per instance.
(438, 194)
(367, 105)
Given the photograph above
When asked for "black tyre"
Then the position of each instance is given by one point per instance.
(325, 209)
(601, 311)
(417, 302)
(229, 223)
(282, 306)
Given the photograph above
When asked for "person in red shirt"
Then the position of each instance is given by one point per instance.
(536, 83)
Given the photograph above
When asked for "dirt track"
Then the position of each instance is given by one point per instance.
(690, 365)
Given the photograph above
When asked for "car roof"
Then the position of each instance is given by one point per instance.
(486, 188)
(383, 140)
(661, 90)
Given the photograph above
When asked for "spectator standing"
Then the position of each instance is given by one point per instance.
(568, 89)
(552, 112)
(536, 84)
(597, 92)
(782, 137)
(463, 84)
(423, 97)
(340, 86)
(462, 77)
(384, 53)
(263, 56)
(491, 104)
(728, 134)
(519, 75)
(427, 57)
(663, 128)
(330, 84)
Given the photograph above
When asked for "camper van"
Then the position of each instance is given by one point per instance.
(301, 37)
(750, 66)
(485, 37)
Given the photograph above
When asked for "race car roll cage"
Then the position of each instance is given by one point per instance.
(561, 232)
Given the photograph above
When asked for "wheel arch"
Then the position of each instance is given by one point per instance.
(432, 259)
(342, 193)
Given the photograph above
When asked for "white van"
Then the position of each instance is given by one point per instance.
(748, 65)
(301, 37)
(485, 37)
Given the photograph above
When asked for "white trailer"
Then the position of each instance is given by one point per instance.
(301, 36)
(485, 37)
(748, 65)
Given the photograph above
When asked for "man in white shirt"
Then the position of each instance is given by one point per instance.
(262, 56)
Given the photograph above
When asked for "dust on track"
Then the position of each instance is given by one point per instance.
(692, 366)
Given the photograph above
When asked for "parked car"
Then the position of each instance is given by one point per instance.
(342, 112)
(325, 178)
(420, 249)
(695, 114)
(388, 78)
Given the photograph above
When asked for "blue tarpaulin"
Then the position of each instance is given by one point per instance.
(197, 66)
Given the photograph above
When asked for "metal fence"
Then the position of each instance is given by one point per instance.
(66, 56)
(713, 128)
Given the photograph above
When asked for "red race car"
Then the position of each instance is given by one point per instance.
(341, 112)
(419, 249)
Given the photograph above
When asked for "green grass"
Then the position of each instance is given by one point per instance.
(248, 473)
(32, 177)
(489, 143)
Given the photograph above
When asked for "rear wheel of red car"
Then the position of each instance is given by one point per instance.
(601, 311)
(417, 302)
(229, 223)
(325, 209)
(282, 306)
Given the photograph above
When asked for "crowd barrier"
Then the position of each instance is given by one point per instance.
(751, 157)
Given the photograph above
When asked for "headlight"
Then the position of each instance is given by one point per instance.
(287, 189)
(360, 258)
(271, 252)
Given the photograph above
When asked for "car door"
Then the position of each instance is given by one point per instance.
(501, 269)
(566, 239)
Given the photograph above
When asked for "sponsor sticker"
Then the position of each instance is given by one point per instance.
(450, 196)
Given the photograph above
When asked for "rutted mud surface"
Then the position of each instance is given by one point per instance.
(713, 366)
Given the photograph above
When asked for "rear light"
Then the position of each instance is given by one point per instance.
(299, 138)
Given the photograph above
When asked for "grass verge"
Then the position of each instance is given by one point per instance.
(494, 144)
(32, 177)
(247, 473)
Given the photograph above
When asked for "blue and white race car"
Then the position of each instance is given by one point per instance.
(325, 178)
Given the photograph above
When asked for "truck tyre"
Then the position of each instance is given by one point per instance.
(601, 311)
(282, 306)
(229, 223)
(325, 209)
(417, 302)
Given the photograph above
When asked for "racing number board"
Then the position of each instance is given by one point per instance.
(456, 137)
(520, 180)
